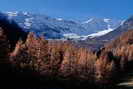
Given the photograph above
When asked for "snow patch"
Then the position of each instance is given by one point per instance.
(107, 20)
(11, 14)
(28, 22)
(88, 21)
(71, 36)
(25, 13)
(101, 33)
(122, 22)
(59, 19)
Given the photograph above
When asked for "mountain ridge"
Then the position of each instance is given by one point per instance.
(60, 28)
(125, 26)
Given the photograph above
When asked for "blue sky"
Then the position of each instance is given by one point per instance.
(72, 9)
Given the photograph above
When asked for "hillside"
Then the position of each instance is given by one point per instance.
(37, 62)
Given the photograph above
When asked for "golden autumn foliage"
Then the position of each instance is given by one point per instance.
(122, 48)
(62, 59)
(55, 58)
(105, 69)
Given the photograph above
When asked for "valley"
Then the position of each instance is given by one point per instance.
(47, 53)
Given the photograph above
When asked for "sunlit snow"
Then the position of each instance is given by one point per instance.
(122, 22)
(59, 19)
(106, 20)
(88, 21)
(71, 36)
(28, 22)
(11, 14)
(100, 33)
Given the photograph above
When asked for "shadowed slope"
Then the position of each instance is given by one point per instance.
(12, 30)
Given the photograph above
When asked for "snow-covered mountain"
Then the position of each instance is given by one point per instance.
(124, 27)
(98, 24)
(96, 41)
(57, 28)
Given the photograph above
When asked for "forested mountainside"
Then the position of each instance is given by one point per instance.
(37, 62)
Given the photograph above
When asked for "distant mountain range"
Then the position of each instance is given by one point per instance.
(58, 28)
(92, 33)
